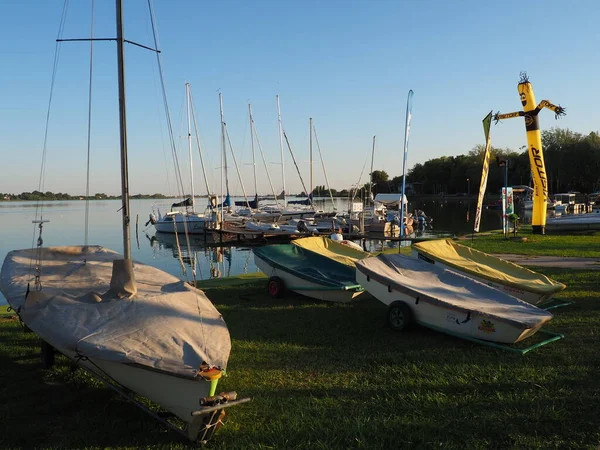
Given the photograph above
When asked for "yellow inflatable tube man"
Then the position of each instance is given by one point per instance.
(534, 144)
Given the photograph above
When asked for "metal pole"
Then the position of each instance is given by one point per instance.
(406, 135)
(371, 172)
(311, 158)
(253, 152)
(505, 224)
(281, 149)
(189, 136)
(123, 133)
(224, 152)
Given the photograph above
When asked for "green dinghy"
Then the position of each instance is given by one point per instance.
(315, 267)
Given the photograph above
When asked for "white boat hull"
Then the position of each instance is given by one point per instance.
(384, 228)
(447, 301)
(178, 395)
(178, 223)
(306, 287)
(575, 222)
(263, 227)
(296, 214)
(446, 318)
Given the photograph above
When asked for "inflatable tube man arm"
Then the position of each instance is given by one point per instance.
(558, 110)
(498, 117)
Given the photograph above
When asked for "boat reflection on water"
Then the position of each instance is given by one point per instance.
(204, 261)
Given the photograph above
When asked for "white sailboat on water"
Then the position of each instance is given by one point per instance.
(188, 220)
(251, 208)
(290, 212)
(133, 326)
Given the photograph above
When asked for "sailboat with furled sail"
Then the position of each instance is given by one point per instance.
(137, 328)
(188, 220)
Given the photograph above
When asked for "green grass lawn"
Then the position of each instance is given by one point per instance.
(580, 245)
(332, 376)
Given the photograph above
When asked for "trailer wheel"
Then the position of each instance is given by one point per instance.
(399, 316)
(275, 287)
(47, 355)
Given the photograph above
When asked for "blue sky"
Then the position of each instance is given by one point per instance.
(347, 64)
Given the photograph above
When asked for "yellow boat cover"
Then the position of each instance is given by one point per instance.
(483, 265)
(331, 249)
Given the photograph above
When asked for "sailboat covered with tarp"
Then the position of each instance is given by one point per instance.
(140, 330)
(447, 301)
(91, 305)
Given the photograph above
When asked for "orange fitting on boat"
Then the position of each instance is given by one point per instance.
(211, 374)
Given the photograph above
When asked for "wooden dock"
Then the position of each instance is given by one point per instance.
(255, 238)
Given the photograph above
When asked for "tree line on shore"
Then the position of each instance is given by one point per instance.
(38, 196)
(572, 163)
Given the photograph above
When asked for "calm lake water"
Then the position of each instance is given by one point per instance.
(66, 227)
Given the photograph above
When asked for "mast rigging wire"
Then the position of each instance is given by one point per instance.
(262, 155)
(39, 208)
(323, 166)
(296, 164)
(89, 134)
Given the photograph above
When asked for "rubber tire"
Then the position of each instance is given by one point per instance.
(399, 316)
(47, 353)
(275, 287)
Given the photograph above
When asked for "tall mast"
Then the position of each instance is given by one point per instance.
(406, 136)
(262, 155)
(371, 172)
(237, 167)
(198, 142)
(187, 94)
(224, 145)
(222, 153)
(123, 133)
(323, 165)
(281, 148)
(311, 156)
(253, 154)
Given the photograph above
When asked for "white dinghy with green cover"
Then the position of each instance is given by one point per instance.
(316, 267)
(447, 301)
